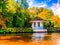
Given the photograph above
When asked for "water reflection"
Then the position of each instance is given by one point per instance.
(41, 36)
(38, 36)
(16, 37)
(31, 38)
(25, 36)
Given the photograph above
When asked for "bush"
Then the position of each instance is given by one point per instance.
(11, 30)
(1, 31)
(49, 30)
(26, 30)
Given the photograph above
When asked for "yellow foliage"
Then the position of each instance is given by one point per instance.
(11, 5)
(33, 11)
(43, 15)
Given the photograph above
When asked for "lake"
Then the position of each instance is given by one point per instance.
(30, 39)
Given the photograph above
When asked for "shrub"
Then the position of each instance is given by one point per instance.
(11, 30)
(1, 31)
(26, 30)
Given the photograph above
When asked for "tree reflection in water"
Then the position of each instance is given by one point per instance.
(16, 37)
(31, 39)
(27, 37)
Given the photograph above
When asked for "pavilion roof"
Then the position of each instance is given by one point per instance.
(38, 18)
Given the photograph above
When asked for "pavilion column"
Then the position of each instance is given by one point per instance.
(32, 25)
(41, 25)
(36, 24)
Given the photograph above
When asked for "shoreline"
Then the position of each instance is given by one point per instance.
(30, 32)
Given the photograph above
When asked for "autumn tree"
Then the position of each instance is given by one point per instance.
(33, 12)
(2, 11)
(43, 13)
(56, 21)
(46, 14)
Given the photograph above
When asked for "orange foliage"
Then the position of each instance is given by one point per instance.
(2, 22)
(56, 20)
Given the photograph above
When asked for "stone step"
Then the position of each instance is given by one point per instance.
(40, 30)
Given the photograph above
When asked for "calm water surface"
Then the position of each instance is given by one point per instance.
(30, 39)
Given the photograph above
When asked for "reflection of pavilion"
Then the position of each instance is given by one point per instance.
(37, 24)
(38, 36)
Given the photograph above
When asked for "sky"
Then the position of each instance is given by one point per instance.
(50, 4)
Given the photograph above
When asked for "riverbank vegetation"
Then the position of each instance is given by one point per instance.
(17, 30)
(18, 14)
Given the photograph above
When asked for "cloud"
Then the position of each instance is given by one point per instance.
(32, 3)
(56, 9)
(40, 5)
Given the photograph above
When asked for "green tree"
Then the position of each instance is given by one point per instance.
(2, 12)
(21, 17)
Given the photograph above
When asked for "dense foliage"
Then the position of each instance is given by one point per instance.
(17, 14)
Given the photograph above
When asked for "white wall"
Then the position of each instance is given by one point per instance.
(41, 25)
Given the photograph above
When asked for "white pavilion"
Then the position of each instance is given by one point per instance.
(37, 24)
